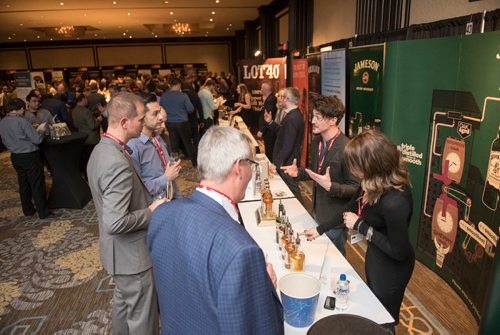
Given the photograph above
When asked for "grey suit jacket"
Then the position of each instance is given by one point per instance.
(84, 120)
(121, 202)
(329, 205)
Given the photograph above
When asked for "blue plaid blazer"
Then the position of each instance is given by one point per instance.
(210, 274)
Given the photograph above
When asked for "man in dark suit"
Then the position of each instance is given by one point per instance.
(121, 201)
(269, 105)
(289, 136)
(333, 184)
(210, 275)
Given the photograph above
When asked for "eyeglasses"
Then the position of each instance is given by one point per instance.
(318, 118)
(249, 161)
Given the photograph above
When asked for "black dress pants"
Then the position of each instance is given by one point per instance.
(181, 133)
(29, 169)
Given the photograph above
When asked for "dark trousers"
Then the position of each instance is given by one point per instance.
(29, 169)
(181, 133)
(84, 159)
(207, 123)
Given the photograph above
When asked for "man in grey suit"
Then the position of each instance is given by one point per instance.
(333, 184)
(121, 202)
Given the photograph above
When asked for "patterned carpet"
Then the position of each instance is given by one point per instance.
(52, 281)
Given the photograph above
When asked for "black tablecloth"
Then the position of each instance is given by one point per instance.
(347, 324)
(68, 190)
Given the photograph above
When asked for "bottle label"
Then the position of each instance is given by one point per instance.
(493, 175)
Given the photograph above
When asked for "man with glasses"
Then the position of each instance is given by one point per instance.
(333, 184)
(211, 276)
(289, 136)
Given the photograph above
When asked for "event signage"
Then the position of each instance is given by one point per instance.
(366, 74)
(254, 72)
(333, 76)
(445, 122)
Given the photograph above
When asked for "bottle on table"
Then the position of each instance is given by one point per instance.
(284, 240)
(297, 257)
(342, 293)
(289, 250)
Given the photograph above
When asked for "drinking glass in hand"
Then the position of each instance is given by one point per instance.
(174, 157)
(170, 191)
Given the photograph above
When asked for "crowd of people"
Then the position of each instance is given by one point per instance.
(192, 255)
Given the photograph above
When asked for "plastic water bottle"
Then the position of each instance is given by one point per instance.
(342, 293)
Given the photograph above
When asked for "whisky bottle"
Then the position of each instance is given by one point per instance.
(283, 242)
(289, 248)
(297, 257)
(492, 183)
(268, 200)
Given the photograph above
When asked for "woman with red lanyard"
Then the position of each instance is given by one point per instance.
(381, 211)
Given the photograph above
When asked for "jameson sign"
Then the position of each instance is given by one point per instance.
(366, 66)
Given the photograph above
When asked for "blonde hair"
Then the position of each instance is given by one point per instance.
(372, 156)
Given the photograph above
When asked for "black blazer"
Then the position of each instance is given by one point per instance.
(327, 205)
(269, 105)
(289, 137)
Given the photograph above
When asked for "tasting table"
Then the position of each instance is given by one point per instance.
(322, 260)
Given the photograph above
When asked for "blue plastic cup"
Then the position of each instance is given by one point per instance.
(299, 295)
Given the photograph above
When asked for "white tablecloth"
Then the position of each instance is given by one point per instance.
(322, 260)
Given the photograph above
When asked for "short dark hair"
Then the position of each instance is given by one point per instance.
(80, 97)
(174, 82)
(31, 95)
(15, 105)
(329, 107)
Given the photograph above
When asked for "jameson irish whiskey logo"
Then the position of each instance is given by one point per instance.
(366, 64)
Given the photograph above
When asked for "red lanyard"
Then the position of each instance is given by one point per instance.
(361, 205)
(224, 195)
(159, 150)
(123, 145)
(320, 165)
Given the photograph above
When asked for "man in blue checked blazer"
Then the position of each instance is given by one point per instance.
(210, 275)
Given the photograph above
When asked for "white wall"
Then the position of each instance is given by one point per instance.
(333, 20)
(336, 19)
(424, 11)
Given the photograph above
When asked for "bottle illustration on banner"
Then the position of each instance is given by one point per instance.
(444, 227)
(492, 184)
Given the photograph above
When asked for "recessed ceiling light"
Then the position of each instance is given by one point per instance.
(206, 35)
(114, 2)
(78, 38)
(216, 1)
(130, 36)
(21, 24)
(95, 34)
(156, 36)
(128, 14)
(51, 39)
(211, 20)
(165, 1)
(227, 29)
(124, 34)
(61, 3)
(84, 14)
(213, 13)
(171, 13)
(9, 38)
(7, 6)
(13, 34)
(25, 41)
(38, 36)
(230, 24)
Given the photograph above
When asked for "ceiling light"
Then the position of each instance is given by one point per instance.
(38, 36)
(156, 36)
(211, 20)
(51, 39)
(181, 28)
(25, 41)
(128, 14)
(171, 13)
(61, 3)
(165, 1)
(9, 38)
(227, 29)
(7, 6)
(230, 24)
(21, 24)
(130, 36)
(114, 2)
(124, 34)
(95, 34)
(84, 14)
(257, 53)
(213, 13)
(216, 1)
